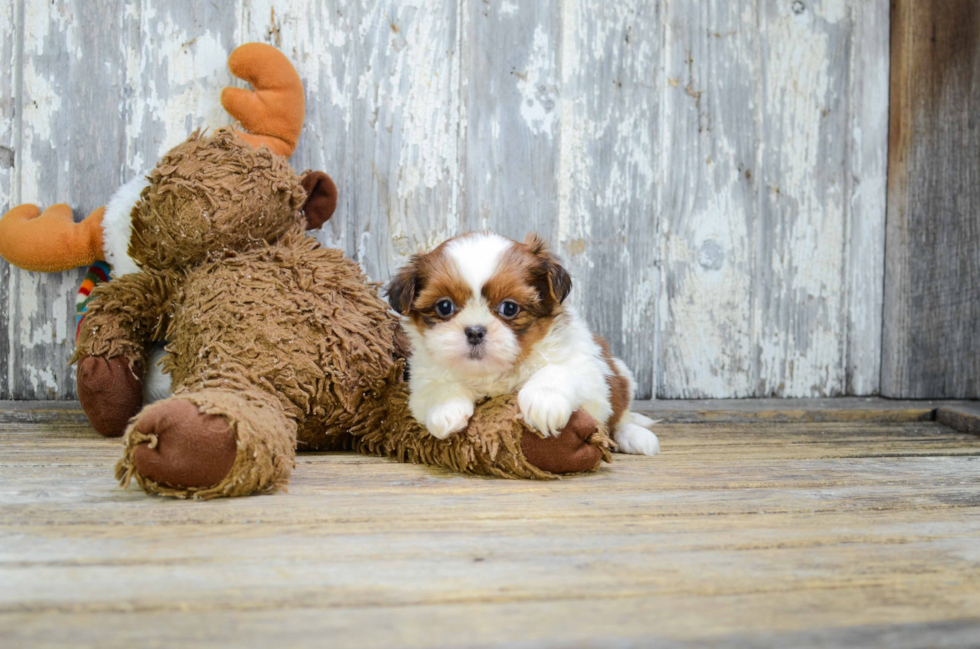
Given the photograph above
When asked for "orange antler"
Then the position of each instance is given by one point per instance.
(51, 241)
(273, 113)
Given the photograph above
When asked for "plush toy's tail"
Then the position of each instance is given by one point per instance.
(51, 241)
(273, 113)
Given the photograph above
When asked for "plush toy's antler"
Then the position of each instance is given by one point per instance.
(273, 113)
(52, 241)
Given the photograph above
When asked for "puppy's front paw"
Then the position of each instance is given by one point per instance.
(545, 409)
(448, 418)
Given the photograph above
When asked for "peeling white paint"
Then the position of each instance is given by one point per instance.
(8, 100)
(607, 204)
(319, 39)
(428, 154)
(42, 104)
(866, 189)
(42, 378)
(28, 297)
(798, 91)
(573, 219)
(756, 233)
(183, 74)
(39, 314)
(833, 11)
(408, 90)
(537, 85)
(9, 181)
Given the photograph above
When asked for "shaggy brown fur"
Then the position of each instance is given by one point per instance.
(211, 194)
(284, 340)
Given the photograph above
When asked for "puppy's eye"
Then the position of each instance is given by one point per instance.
(445, 308)
(508, 309)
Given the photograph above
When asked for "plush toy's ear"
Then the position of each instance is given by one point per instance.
(555, 282)
(404, 286)
(321, 198)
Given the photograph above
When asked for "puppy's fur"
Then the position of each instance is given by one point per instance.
(507, 331)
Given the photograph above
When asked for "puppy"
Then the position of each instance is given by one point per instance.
(485, 317)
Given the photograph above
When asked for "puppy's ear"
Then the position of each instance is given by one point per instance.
(554, 281)
(535, 244)
(321, 198)
(404, 286)
(559, 281)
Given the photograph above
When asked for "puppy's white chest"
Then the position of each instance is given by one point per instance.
(506, 383)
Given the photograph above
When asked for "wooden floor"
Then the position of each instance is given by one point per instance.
(741, 533)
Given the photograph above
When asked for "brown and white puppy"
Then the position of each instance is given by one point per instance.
(485, 317)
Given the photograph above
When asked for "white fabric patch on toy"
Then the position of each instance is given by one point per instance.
(117, 225)
(156, 384)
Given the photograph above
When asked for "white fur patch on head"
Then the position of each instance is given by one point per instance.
(117, 225)
(477, 256)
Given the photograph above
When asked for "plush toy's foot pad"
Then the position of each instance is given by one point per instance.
(570, 452)
(111, 393)
(187, 449)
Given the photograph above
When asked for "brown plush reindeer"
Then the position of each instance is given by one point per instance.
(274, 342)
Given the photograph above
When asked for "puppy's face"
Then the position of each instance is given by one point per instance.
(479, 302)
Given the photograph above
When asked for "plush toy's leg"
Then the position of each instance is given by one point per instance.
(110, 391)
(210, 443)
(496, 442)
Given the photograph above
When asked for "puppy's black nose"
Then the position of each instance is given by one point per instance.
(476, 334)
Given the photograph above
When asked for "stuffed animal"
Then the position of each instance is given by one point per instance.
(273, 342)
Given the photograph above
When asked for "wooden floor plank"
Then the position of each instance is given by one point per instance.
(964, 417)
(793, 410)
(742, 533)
(874, 617)
(275, 568)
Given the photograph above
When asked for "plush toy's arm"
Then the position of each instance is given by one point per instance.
(125, 314)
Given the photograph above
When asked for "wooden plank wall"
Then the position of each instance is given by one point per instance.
(712, 172)
(932, 279)
(9, 51)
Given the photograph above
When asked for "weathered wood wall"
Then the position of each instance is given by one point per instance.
(932, 281)
(713, 172)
